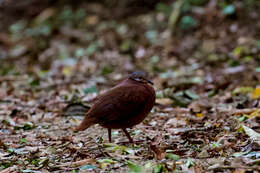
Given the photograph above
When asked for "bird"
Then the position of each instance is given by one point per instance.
(123, 106)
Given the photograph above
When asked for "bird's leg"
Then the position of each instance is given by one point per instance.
(109, 135)
(128, 136)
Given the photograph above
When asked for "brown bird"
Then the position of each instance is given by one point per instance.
(123, 106)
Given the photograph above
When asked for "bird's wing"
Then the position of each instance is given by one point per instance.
(119, 103)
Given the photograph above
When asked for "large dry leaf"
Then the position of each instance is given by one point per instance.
(254, 136)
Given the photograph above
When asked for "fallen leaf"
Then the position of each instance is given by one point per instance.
(256, 93)
(254, 136)
(164, 101)
(79, 163)
(239, 170)
(254, 114)
(199, 115)
(172, 156)
(134, 168)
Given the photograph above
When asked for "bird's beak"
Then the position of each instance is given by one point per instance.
(150, 82)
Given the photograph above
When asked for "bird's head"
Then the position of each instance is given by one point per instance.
(140, 76)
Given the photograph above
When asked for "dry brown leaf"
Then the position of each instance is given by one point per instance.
(79, 163)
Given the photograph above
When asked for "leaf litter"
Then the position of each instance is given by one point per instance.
(206, 117)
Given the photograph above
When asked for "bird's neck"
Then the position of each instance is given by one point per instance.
(131, 82)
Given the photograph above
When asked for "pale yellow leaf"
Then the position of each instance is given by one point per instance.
(256, 93)
(199, 115)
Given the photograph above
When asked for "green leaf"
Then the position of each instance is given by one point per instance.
(197, 80)
(123, 149)
(198, 2)
(4, 165)
(189, 163)
(242, 118)
(42, 73)
(242, 90)
(188, 22)
(215, 145)
(18, 26)
(257, 69)
(248, 58)
(66, 16)
(158, 168)
(44, 30)
(191, 95)
(239, 154)
(229, 10)
(148, 165)
(35, 162)
(211, 93)
(109, 145)
(106, 161)
(258, 43)
(34, 81)
(126, 45)
(23, 140)
(233, 62)
(30, 171)
(172, 156)
(28, 126)
(87, 167)
(155, 59)
(165, 8)
(106, 70)
(133, 167)
(152, 36)
(80, 14)
(92, 48)
(128, 150)
(180, 99)
(92, 89)
(80, 52)
(238, 50)
(10, 150)
(168, 74)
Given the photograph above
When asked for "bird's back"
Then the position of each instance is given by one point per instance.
(123, 106)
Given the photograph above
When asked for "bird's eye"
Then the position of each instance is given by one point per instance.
(138, 79)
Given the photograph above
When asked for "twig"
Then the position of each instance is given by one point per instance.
(244, 111)
(187, 130)
(235, 167)
(12, 78)
(175, 16)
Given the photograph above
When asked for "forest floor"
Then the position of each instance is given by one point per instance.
(55, 60)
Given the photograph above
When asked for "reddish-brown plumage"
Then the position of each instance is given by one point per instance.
(123, 106)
